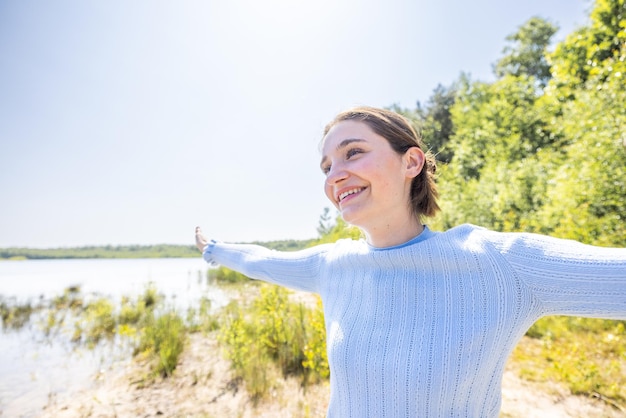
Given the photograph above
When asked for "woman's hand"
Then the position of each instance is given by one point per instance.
(201, 241)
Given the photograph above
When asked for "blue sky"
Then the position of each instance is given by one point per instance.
(132, 122)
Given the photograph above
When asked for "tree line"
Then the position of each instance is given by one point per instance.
(130, 251)
(542, 148)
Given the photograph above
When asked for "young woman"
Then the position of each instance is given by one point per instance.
(420, 323)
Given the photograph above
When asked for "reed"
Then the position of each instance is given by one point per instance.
(15, 316)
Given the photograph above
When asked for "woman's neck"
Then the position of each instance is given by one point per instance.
(389, 235)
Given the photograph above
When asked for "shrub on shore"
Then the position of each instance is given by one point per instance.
(273, 332)
(587, 354)
(162, 341)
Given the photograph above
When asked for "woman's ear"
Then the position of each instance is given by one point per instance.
(414, 158)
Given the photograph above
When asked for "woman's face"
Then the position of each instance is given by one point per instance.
(366, 180)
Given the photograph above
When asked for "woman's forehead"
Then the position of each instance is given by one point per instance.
(347, 129)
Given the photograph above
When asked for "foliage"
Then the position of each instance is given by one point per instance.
(274, 333)
(586, 200)
(433, 121)
(156, 333)
(137, 311)
(494, 178)
(337, 230)
(315, 355)
(587, 354)
(162, 340)
(553, 160)
(325, 223)
(100, 321)
(527, 55)
(15, 316)
(70, 298)
(586, 52)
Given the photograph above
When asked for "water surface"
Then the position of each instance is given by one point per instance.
(35, 368)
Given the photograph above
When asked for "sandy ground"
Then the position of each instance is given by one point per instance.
(202, 386)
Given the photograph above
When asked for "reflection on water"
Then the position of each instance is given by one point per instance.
(35, 367)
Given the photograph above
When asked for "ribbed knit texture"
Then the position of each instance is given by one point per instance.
(424, 329)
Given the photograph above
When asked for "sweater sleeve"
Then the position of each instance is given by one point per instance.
(298, 270)
(567, 277)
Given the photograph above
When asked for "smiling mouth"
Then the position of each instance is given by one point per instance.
(349, 192)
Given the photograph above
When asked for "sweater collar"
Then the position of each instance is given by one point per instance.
(424, 235)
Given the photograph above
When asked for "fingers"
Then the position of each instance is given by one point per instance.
(201, 241)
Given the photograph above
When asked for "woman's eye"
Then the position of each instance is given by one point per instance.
(326, 169)
(352, 152)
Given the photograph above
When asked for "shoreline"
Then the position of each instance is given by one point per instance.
(203, 386)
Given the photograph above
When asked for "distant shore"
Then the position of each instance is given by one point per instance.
(105, 251)
(129, 251)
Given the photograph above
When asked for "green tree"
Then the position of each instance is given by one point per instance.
(504, 120)
(437, 127)
(552, 160)
(434, 120)
(337, 230)
(503, 133)
(325, 223)
(586, 51)
(586, 200)
(527, 54)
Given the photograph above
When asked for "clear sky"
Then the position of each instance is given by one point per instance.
(131, 122)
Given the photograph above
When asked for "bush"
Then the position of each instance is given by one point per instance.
(316, 360)
(163, 340)
(273, 333)
(100, 322)
(586, 354)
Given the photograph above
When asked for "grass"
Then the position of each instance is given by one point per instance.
(588, 355)
(200, 319)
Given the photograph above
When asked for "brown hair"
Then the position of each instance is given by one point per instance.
(401, 135)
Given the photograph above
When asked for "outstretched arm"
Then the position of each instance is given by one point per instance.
(569, 278)
(294, 269)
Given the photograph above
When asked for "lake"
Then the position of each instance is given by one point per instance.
(35, 368)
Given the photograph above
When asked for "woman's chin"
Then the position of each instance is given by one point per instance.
(350, 217)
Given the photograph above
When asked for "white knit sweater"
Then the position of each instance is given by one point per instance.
(424, 329)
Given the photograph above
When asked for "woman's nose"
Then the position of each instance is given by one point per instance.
(336, 174)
